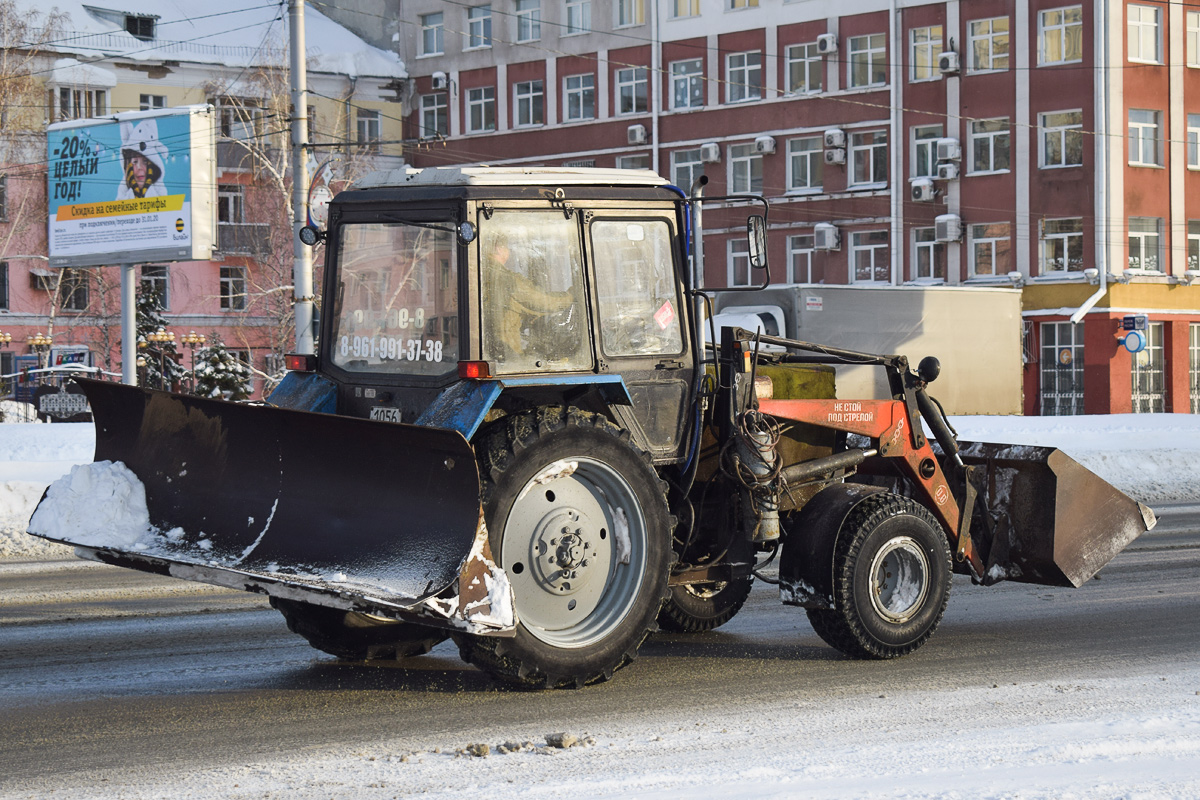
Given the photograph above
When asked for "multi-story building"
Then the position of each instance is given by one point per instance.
(1043, 144)
(94, 61)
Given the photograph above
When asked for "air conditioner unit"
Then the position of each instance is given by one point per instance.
(922, 190)
(948, 150)
(947, 228)
(947, 172)
(636, 134)
(826, 237)
(948, 63)
(764, 144)
(827, 43)
(439, 80)
(835, 155)
(835, 137)
(710, 153)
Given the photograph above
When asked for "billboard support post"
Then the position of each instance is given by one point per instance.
(128, 326)
(302, 273)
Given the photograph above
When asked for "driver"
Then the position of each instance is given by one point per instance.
(516, 299)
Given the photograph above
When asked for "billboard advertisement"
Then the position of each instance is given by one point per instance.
(132, 188)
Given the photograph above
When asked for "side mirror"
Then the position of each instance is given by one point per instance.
(756, 231)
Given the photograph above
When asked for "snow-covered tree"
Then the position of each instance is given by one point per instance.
(219, 373)
(160, 368)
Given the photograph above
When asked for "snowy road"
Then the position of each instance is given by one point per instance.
(98, 698)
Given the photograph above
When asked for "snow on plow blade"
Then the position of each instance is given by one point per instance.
(1055, 522)
(330, 510)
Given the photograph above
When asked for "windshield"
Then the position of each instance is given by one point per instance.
(396, 310)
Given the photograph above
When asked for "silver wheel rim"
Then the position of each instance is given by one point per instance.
(899, 579)
(574, 548)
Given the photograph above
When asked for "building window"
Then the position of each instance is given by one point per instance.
(1193, 38)
(630, 12)
(739, 262)
(988, 45)
(989, 145)
(800, 260)
(154, 283)
(481, 109)
(433, 34)
(685, 8)
(926, 46)
(806, 162)
(1062, 245)
(4, 285)
(925, 150)
(73, 290)
(868, 60)
(1193, 244)
(1061, 369)
(745, 169)
(139, 27)
(870, 257)
(370, 130)
(579, 16)
(1062, 139)
(1145, 243)
(991, 250)
(686, 167)
(580, 91)
(238, 118)
(529, 20)
(687, 83)
(479, 26)
(868, 158)
(804, 68)
(231, 203)
(529, 98)
(1144, 147)
(77, 103)
(1193, 141)
(1060, 36)
(1145, 41)
(435, 115)
(1194, 366)
(929, 255)
(1149, 385)
(736, 4)
(639, 161)
(3, 198)
(744, 76)
(233, 288)
(149, 102)
(631, 91)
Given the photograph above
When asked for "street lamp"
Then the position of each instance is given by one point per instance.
(193, 340)
(40, 344)
(161, 337)
(5, 338)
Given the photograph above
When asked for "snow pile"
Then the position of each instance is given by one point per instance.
(101, 504)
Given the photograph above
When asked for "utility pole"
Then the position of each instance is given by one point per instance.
(302, 273)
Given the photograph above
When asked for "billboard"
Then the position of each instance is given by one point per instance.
(135, 187)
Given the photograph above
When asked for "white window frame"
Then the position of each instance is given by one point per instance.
(80, 102)
(925, 45)
(868, 52)
(1192, 36)
(929, 255)
(871, 154)
(433, 34)
(233, 279)
(1057, 24)
(745, 169)
(1061, 357)
(1060, 239)
(805, 164)
(992, 240)
(686, 167)
(1193, 244)
(995, 42)
(1145, 243)
(924, 150)
(737, 251)
(368, 124)
(997, 142)
(149, 102)
(681, 9)
(804, 68)
(156, 279)
(437, 106)
(743, 76)
(1145, 138)
(579, 97)
(481, 100)
(1145, 33)
(579, 17)
(635, 161)
(629, 80)
(688, 75)
(1148, 375)
(1062, 134)
(1194, 364)
(629, 13)
(529, 104)
(874, 247)
(737, 5)
(800, 257)
(1193, 141)
(529, 20)
(479, 27)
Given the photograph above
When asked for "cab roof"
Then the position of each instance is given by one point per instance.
(510, 176)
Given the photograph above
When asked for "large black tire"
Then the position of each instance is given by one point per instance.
(355, 636)
(578, 519)
(699, 607)
(891, 580)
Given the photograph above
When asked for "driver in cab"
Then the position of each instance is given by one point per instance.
(517, 300)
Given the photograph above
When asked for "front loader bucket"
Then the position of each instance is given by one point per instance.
(315, 507)
(1053, 521)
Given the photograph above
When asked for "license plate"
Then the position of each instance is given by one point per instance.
(385, 414)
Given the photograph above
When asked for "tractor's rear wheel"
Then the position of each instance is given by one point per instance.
(891, 580)
(578, 519)
(356, 636)
(699, 607)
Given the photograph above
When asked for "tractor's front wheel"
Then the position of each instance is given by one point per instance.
(891, 580)
(356, 636)
(578, 519)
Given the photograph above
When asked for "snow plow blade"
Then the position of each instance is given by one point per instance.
(336, 511)
(1053, 521)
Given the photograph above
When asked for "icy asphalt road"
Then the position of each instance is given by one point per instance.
(111, 681)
